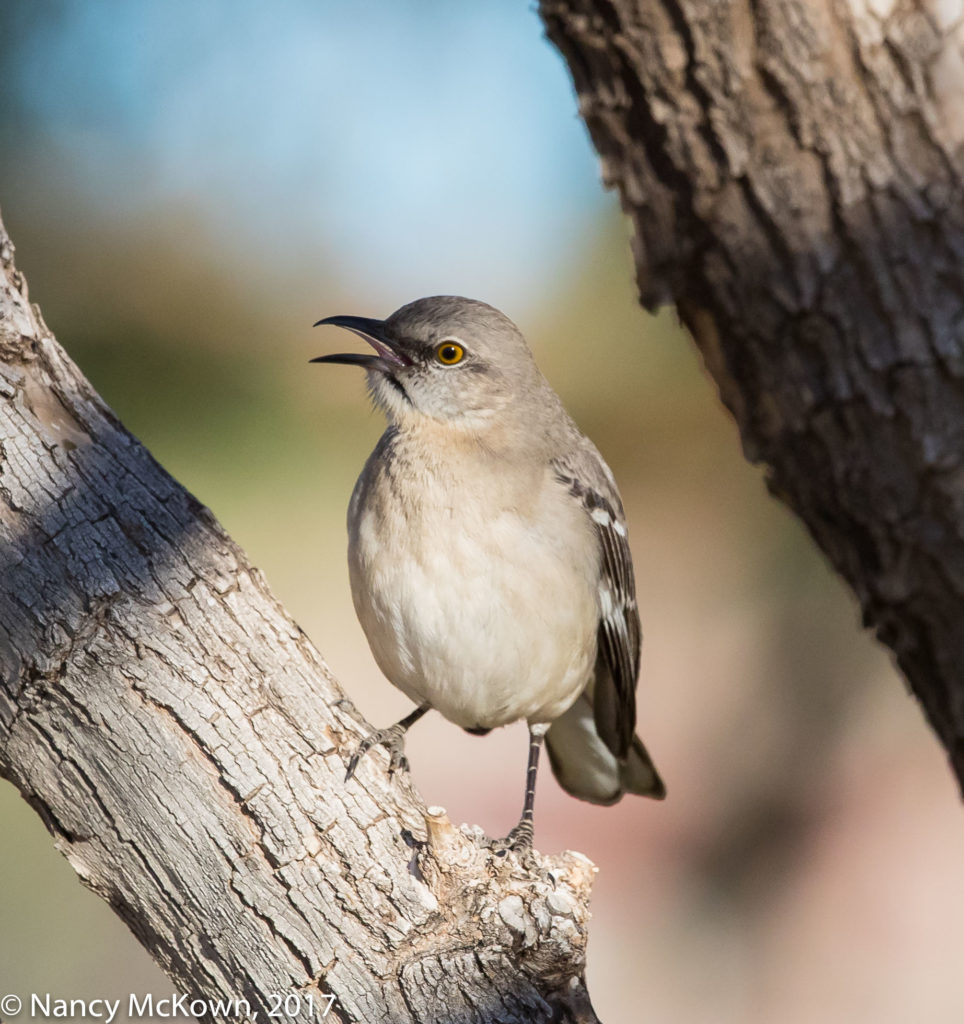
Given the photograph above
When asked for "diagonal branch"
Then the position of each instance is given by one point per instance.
(794, 173)
(184, 743)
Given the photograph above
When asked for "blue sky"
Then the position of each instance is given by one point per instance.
(420, 145)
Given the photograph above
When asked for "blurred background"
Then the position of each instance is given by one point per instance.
(190, 185)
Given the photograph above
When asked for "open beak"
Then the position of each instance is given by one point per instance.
(387, 357)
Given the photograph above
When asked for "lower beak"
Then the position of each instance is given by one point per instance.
(375, 333)
(349, 358)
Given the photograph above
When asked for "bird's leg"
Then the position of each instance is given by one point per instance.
(393, 738)
(520, 838)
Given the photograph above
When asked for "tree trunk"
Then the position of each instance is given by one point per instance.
(793, 173)
(185, 745)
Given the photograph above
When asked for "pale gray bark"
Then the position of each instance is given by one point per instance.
(794, 173)
(185, 745)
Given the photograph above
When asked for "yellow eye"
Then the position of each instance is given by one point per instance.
(448, 353)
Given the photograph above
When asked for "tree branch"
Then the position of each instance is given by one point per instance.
(184, 744)
(793, 172)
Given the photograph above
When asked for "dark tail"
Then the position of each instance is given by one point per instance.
(586, 768)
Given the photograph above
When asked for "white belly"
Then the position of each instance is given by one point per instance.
(480, 613)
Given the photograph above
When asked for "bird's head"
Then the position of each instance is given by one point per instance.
(451, 359)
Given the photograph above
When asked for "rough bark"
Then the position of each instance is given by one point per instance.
(793, 173)
(184, 743)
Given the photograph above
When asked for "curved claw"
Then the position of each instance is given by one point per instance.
(393, 739)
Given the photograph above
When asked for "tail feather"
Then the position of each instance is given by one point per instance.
(586, 768)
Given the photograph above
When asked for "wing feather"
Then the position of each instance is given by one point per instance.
(617, 667)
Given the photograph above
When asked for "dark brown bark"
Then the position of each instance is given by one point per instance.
(793, 172)
(185, 745)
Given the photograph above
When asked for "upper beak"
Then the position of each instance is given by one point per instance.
(376, 334)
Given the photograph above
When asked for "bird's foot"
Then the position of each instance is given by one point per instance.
(518, 840)
(393, 739)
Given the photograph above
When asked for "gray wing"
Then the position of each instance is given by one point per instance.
(590, 482)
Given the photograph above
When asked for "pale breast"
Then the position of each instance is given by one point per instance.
(478, 598)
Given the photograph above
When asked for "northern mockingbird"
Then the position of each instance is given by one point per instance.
(488, 555)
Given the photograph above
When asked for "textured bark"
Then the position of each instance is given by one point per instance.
(793, 172)
(184, 743)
